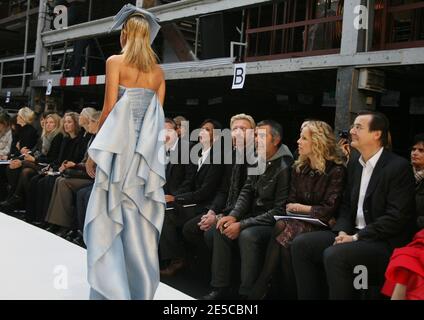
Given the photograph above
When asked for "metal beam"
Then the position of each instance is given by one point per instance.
(365, 59)
(350, 35)
(166, 13)
(224, 67)
(18, 16)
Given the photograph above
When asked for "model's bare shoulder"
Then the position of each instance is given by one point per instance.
(159, 71)
(115, 60)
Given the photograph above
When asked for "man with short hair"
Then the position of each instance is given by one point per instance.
(251, 221)
(199, 230)
(376, 216)
(187, 204)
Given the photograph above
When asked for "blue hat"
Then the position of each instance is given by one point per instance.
(130, 9)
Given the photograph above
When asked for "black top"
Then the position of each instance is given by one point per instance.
(388, 204)
(26, 136)
(54, 150)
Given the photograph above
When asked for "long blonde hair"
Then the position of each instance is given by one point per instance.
(137, 50)
(324, 147)
(58, 129)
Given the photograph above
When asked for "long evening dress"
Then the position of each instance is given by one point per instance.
(126, 207)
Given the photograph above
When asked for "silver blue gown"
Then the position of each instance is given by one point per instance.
(126, 207)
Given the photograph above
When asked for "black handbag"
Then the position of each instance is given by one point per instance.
(76, 174)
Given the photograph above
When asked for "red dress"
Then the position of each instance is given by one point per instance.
(407, 267)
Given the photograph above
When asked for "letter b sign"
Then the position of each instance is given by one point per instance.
(239, 76)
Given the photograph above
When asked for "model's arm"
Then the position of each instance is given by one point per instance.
(111, 87)
(161, 90)
(111, 96)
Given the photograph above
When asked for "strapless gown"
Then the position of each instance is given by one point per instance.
(127, 205)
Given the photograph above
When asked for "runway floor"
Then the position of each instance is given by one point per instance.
(38, 265)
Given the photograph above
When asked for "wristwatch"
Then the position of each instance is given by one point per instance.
(355, 237)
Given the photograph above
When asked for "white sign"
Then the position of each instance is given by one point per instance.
(61, 19)
(49, 87)
(239, 75)
(8, 94)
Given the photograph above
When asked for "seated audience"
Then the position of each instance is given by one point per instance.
(250, 222)
(316, 188)
(199, 230)
(61, 210)
(20, 172)
(203, 187)
(26, 135)
(5, 135)
(6, 139)
(41, 186)
(376, 215)
(405, 273)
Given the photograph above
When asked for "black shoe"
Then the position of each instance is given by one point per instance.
(79, 241)
(217, 294)
(71, 235)
(11, 204)
(62, 232)
(40, 224)
(52, 228)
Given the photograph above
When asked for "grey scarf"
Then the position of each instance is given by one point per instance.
(47, 141)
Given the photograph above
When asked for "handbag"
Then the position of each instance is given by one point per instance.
(76, 174)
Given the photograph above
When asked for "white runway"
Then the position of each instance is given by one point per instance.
(36, 264)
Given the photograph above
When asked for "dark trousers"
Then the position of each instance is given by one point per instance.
(83, 195)
(316, 259)
(252, 243)
(201, 240)
(171, 244)
(3, 183)
(31, 201)
(13, 176)
(62, 204)
(277, 273)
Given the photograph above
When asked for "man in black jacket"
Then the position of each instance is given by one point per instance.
(199, 230)
(375, 217)
(202, 189)
(251, 221)
(178, 174)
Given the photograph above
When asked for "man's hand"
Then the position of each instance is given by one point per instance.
(169, 198)
(298, 208)
(233, 231)
(343, 238)
(225, 222)
(207, 220)
(15, 164)
(90, 168)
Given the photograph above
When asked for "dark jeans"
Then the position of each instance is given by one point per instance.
(316, 259)
(83, 195)
(200, 239)
(252, 243)
(171, 245)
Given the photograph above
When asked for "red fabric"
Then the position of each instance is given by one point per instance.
(407, 267)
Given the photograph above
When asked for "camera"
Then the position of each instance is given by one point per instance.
(344, 134)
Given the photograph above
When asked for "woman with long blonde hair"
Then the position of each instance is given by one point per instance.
(316, 187)
(20, 172)
(127, 204)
